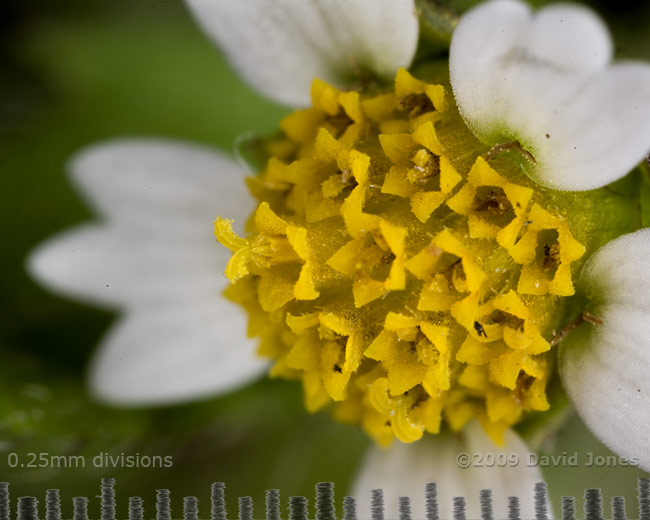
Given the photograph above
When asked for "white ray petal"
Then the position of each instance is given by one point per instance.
(280, 46)
(405, 469)
(544, 80)
(175, 354)
(158, 246)
(119, 267)
(156, 256)
(160, 199)
(161, 185)
(601, 133)
(604, 368)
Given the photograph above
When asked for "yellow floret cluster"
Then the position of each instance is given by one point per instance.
(397, 269)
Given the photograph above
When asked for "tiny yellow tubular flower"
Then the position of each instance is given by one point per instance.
(339, 113)
(398, 269)
(495, 207)
(550, 273)
(408, 88)
(272, 254)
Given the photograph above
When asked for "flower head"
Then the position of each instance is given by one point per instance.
(405, 275)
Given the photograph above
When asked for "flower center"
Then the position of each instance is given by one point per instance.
(397, 269)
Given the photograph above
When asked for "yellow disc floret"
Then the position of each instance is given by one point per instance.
(398, 269)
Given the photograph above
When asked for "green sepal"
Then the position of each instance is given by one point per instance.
(251, 152)
(644, 194)
(437, 23)
(541, 426)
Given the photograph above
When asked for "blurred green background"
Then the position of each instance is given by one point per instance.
(73, 72)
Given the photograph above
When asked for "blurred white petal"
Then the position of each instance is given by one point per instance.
(405, 469)
(174, 354)
(115, 266)
(280, 46)
(162, 185)
(544, 80)
(604, 368)
(155, 256)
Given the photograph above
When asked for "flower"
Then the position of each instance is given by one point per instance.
(382, 197)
